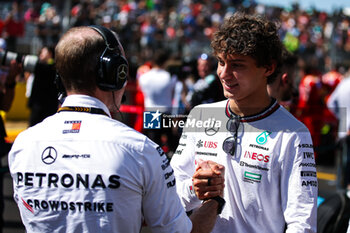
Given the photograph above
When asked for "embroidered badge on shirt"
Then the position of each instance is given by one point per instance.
(74, 127)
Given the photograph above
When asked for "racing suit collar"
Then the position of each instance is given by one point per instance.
(85, 101)
(263, 114)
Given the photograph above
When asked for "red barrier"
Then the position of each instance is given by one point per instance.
(134, 105)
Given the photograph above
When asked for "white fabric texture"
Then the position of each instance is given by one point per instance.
(157, 85)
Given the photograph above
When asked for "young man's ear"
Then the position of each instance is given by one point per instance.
(270, 68)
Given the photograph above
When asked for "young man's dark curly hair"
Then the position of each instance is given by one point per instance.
(252, 36)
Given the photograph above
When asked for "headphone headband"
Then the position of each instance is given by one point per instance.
(109, 38)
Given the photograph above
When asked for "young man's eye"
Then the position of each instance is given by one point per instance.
(221, 63)
(237, 65)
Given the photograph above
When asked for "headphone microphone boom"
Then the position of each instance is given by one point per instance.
(62, 94)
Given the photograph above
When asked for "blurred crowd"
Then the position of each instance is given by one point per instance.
(183, 29)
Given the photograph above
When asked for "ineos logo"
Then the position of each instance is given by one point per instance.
(49, 155)
(122, 71)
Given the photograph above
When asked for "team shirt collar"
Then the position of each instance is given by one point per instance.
(85, 101)
(261, 115)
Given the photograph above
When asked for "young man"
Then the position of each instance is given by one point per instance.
(270, 172)
(82, 171)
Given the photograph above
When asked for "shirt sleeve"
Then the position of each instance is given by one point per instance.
(183, 163)
(161, 205)
(299, 184)
(332, 103)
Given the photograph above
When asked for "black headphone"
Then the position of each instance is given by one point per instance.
(113, 67)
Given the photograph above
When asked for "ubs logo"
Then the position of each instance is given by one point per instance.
(199, 144)
(207, 144)
(49, 155)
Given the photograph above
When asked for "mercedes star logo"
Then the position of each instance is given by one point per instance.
(211, 131)
(122, 71)
(49, 155)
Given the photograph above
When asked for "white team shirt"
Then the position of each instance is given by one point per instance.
(271, 179)
(158, 86)
(339, 104)
(83, 172)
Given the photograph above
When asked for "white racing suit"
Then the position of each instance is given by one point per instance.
(270, 181)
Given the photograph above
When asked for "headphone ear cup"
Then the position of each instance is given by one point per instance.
(112, 72)
(122, 72)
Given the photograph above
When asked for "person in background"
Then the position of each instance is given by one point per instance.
(7, 92)
(14, 25)
(333, 77)
(158, 86)
(204, 90)
(283, 88)
(43, 95)
(48, 25)
(339, 104)
(81, 170)
(312, 108)
(270, 170)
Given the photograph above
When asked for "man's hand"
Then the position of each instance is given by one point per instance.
(208, 180)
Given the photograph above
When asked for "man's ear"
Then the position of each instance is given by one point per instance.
(270, 69)
(284, 78)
